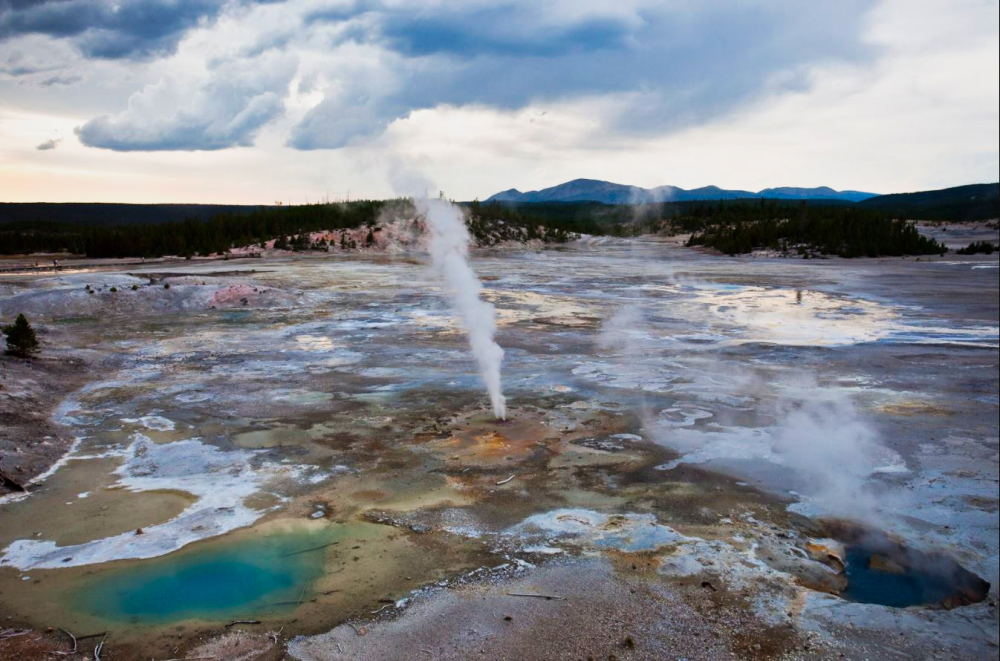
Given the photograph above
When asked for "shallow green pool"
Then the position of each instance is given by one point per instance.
(223, 580)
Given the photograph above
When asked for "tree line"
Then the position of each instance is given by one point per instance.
(731, 226)
(289, 226)
(842, 230)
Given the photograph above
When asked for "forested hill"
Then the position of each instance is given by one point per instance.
(818, 230)
(961, 203)
(100, 214)
(114, 234)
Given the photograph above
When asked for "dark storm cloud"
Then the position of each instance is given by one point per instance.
(108, 30)
(676, 64)
(684, 65)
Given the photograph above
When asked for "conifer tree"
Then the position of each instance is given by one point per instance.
(21, 340)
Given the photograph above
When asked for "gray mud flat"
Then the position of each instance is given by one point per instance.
(694, 451)
(564, 610)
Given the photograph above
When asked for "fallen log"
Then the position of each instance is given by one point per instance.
(235, 622)
(314, 548)
(92, 635)
(536, 596)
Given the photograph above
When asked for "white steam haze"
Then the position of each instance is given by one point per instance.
(728, 415)
(825, 439)
(449, 250)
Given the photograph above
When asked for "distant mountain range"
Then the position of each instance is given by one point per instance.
(961, 203)
(593, 190)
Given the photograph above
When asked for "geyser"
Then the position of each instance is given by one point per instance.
(449, 249)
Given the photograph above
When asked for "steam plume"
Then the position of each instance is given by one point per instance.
(832, 452)
(449, 249)
(824, 438)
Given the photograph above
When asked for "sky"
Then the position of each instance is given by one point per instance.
(296, 101)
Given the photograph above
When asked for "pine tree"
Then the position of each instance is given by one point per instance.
(21, 340)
